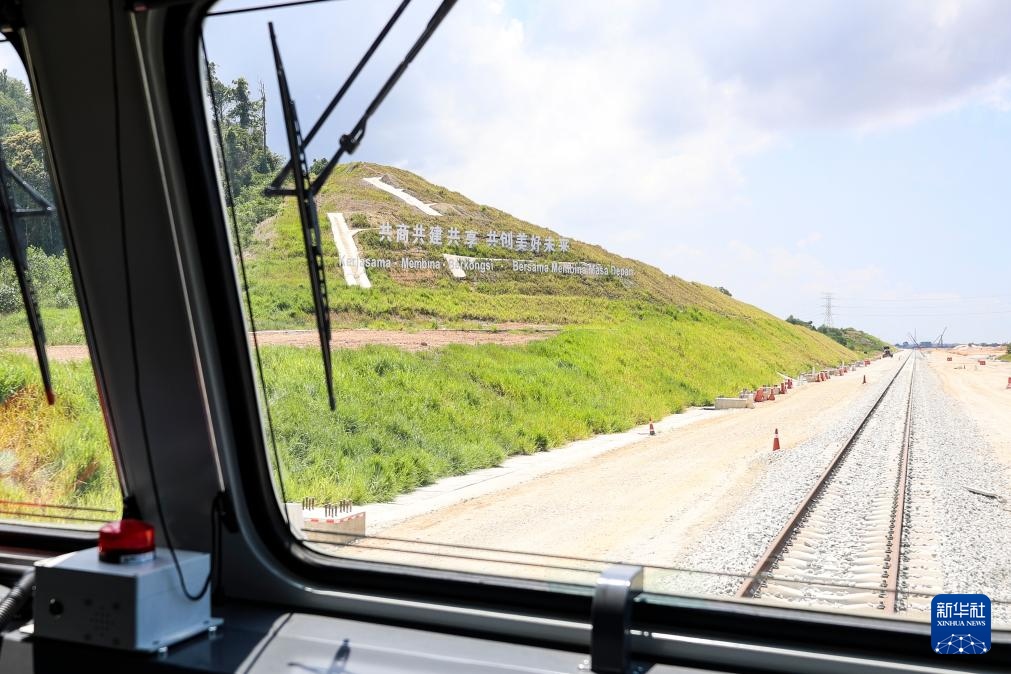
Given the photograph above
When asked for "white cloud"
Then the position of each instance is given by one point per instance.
(585, 115)
(635, 125)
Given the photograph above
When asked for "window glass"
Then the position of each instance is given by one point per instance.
(56, 466)
(708, 289)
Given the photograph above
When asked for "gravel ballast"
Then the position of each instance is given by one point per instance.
(956, 540)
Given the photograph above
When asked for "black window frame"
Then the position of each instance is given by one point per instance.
(36, 538)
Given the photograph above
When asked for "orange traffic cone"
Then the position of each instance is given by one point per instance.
(789, 383)
(1009, 382)
(772, 393)
(652, 431)
(775, 441)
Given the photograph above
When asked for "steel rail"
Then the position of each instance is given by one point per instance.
(761, 570)
(894, 550)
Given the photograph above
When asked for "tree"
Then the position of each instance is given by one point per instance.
(241, 105)
(21, 145)
(16, 110)
(248, 162)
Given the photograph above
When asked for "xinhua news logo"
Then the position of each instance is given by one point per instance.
(960, 624)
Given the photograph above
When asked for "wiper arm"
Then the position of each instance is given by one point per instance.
(305, 190)
(42, 206)
(8, 213)
(349, 142)
(307, 215)
(283, 174)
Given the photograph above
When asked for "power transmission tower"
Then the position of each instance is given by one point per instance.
(263, 113)
(827, 305)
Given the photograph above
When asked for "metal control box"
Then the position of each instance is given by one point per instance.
(137, 607)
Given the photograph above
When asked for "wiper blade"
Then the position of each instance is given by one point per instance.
(305, 189)
(349, 142)
(307, 215)
(8, 214)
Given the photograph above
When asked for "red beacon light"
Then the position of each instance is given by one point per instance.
(127, 541)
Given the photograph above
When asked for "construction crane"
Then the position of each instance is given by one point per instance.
(940, 340)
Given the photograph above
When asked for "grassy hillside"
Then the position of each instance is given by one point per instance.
(281, 294)
(405, 419)
(628, 349)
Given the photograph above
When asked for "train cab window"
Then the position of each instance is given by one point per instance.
(56, 465)
(486, 299)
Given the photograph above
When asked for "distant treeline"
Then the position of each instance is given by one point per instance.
(249, 162)
(851, 338)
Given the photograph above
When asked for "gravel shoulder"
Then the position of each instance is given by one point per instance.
(982, 390)
(959, 444)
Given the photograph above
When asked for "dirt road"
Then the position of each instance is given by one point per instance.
(506, 335)
(408, 341)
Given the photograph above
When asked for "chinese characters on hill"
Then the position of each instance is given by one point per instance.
(460, 265)
(485, 265)
(435, 235)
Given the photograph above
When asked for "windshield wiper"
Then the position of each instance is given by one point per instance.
(8, 214)
(309, 218)
(350, 141)
(305, 189)
(275, 184)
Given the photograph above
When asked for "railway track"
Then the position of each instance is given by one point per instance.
(842, 546)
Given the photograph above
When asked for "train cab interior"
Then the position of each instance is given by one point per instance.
(124, 98)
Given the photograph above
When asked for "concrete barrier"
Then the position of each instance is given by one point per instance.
(315, 525)
(334, 530)
(734, 403)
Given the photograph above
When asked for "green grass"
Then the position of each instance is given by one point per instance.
(61, 325)
(53, 454)
(406, 419)
(1006, 358)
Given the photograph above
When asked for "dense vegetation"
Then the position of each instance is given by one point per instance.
(249, 163)
(22, 150)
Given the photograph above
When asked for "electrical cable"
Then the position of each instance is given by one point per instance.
(230, 202)
(131, 321)
(19, 595)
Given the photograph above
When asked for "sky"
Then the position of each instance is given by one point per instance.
(782, 150)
